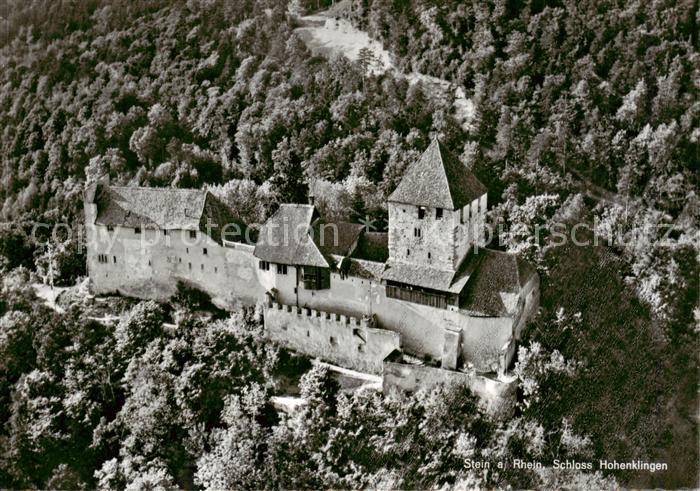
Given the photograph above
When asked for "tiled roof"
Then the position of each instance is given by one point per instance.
(370, 270)
(439, 180)
(337, 238)
(423, 276)
(495, 287)
(285, 237)
(373, 246)
(164, 208)
(435, 279)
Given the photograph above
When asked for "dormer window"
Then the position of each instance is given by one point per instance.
(421, 212)
(438, 213)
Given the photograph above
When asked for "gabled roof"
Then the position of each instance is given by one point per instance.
(439, 180)
(373, 246)
(286, 239)
(339, 238)
(165, 208)
(495, 287)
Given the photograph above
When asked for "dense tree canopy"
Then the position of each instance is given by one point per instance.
(586, 112)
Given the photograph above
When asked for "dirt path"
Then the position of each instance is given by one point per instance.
(327, 34)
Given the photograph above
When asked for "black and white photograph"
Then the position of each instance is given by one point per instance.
(349, 244)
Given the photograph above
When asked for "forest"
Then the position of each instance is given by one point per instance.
(586, 112)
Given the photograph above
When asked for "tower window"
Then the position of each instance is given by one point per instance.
(421, 212)
(438, 213)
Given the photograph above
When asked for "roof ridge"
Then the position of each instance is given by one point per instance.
(159, 188)
(436, 142)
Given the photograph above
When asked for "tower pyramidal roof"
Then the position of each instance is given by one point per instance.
(439, 180)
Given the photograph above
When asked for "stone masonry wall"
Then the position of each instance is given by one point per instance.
(497, 396)
(437, 236)
(348, 341)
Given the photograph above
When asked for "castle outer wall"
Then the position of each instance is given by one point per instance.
(149, 266)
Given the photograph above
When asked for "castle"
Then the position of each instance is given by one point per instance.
(424, 303)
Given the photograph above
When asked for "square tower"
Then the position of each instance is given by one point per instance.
(436, 212)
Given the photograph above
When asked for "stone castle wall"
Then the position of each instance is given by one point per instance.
(496, 396)
(442, 242)
(348, 341)
(149, 265)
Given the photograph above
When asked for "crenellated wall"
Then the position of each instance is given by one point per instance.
(348, 341)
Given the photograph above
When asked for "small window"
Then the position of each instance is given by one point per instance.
(281, 269)
(408, 252)
(189, 265)
(429, 255)
(216, 270)
(421, 212)
(149, 263)
(360, 348)
(308, 334)
(417, 232)
(438, 213)
(193, 234)
(165, 232)
(115, 259)
(110, 228)
(187, 250)
(179, 259)
(264, 265)
(204, 250)
(333, 341)
(137, 230)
